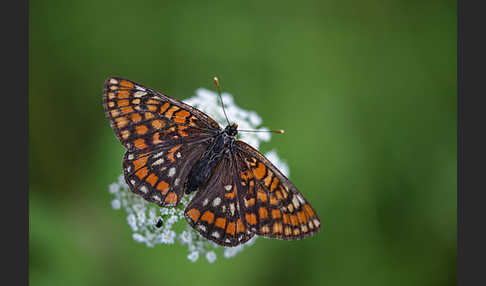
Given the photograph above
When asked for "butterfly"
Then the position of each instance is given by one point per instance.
(174, 149)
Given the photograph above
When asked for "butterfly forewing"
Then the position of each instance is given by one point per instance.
(143, 118)
(216, 212)
(273, 207)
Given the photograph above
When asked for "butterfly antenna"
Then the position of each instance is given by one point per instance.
(278, 131)
(216, 82)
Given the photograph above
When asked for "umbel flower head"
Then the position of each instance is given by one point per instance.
(153, 225)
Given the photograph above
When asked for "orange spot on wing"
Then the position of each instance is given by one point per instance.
(273, 200)
(231, 228)
(296, 231)
(141, 129)
(263, 212)
(140, 143)
(171, 110)
(142, 173)
(302, 217)
(260, 171)
(288, 230)
(115, 113)
(250, 202)
(125, 83)
(123, 102)
(268, 179)
(156, 138)
(164, 107)
(286, 218)
(148, 115)
(194, 214)
(180, 117)
(181, 129)
(231, 195)
(171, 198)
(262, 196)
(277, 227)
(163, 187)
(274, 184)
(158, 124)
(123, 94)
(293, 220)
(309, 210)
(220, 222)
(250, 219)
(139, 163)
(152, 179)
(239, 226)
(151, 107)
(136, 117)
(265, 229)
(275, 213)
(208, 216)
(121, 122)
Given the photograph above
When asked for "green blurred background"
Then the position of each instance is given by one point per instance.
(366, 91)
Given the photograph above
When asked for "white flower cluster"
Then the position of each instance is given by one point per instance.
(154, 225)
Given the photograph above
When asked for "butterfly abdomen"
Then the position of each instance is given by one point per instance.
(202, 170)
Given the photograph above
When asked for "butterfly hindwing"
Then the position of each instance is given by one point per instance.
(273, 206)
(216, 211)
(159, 176)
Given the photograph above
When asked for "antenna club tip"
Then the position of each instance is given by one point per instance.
(280, 131)
(216, 81)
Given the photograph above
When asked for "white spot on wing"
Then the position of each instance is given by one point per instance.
(232, 208)
(228, 187)
(172, 172)
(205, 202)
(296, 203)
(178, 154)
(140, 93)
(130, 156)
(301, 199)
(113, 81)
(158, 155)
(215, 234)
(158, 162)
(139, 88)
(176, 182)
(216, 201)
(144, 189)
(201, 227)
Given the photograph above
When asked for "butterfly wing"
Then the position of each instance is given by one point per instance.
(216, 210)
(143, 118)
(273, 206)
(163, 136)
(160, 176)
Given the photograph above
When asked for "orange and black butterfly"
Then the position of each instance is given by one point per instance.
(173, 148)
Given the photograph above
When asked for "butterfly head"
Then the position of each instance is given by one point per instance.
(231, 130)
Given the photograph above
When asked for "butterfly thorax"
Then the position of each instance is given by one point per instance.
(219, 146)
